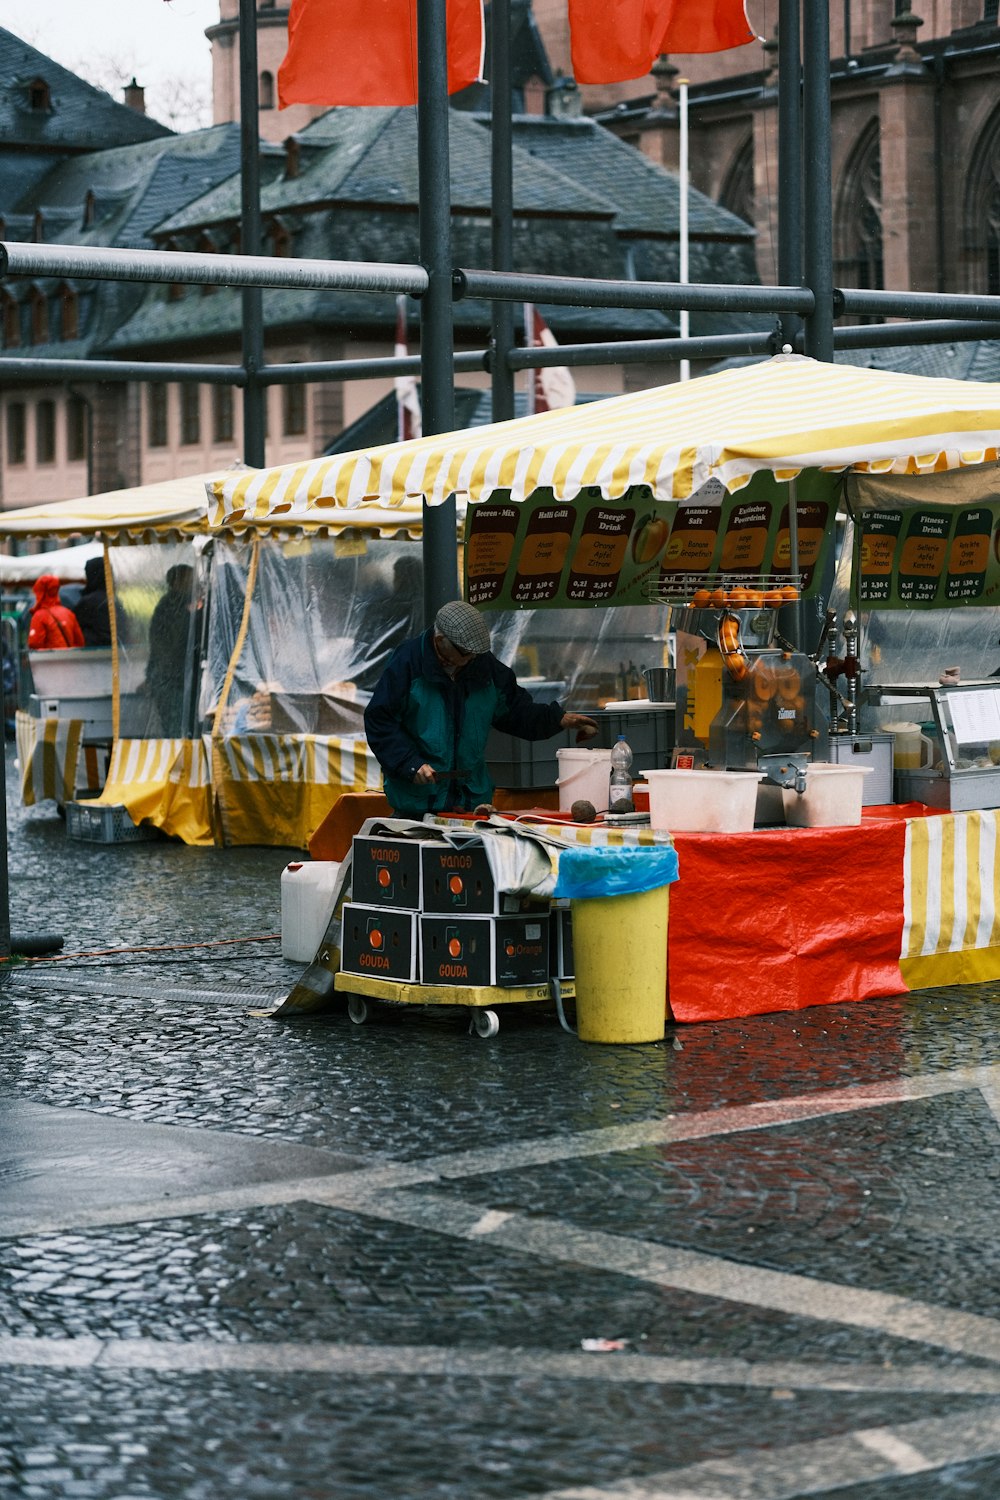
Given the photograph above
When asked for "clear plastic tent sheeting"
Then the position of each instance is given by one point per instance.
(161, 610)
(903, 646)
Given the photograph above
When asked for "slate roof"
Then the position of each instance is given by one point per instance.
(80, 117)
(646, 198)
(132, 187)
(369, 156)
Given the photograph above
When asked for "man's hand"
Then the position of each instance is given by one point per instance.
(585, 728)
(423, 775)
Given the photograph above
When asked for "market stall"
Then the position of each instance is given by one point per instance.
(688, 497)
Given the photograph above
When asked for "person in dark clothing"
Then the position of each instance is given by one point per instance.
(92, 610)
(169, 633)
(430, 715)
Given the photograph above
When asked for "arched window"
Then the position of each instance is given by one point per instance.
(982, 213)
(11, 321)
(265, 94)
(280, 236)
(858, 258)
(39, 94)
(39, 316)
(69, 312)
(738, 187)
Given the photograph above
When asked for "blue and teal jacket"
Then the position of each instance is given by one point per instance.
(418, 715)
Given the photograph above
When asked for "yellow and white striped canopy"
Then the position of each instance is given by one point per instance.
(170, 505)
(785, 414)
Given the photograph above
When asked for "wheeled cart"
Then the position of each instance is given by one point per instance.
(478, 1000)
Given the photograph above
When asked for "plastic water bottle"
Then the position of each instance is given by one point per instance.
(620, 786)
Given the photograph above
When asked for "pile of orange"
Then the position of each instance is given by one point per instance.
(744, 597)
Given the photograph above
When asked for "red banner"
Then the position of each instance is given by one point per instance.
(365, 51)
(613, 40)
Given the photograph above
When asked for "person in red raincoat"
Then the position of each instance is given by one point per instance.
(53, 626)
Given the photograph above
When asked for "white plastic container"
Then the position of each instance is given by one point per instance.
(81, 672)
(702, 801)
(307, 897)
(583, 774)
(832, 798)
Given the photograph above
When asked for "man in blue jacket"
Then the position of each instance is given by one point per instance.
(430, 715)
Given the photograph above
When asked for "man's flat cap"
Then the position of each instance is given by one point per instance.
(463, 626)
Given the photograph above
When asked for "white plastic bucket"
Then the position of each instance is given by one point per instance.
(702, 800)
(583, 774)
(307, 896)
(832, 798)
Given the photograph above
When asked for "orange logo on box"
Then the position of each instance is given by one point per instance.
(384, 878)
(455, 947)
(375, 938)
(456, 885)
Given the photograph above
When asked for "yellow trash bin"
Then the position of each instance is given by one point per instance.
(620, 957)
(620, 900)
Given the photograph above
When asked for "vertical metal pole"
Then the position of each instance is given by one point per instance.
(437, 334)
(817, 197)
(254, 394)
(502, 205)
(789, 157)
(685, 257)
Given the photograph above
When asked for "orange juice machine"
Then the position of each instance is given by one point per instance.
(746, 699)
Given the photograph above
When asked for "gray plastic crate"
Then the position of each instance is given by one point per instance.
(534, 763)
(100, 824)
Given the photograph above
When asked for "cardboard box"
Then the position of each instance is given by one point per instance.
(561, 963)
(458, 879)
(380, 941)
(508, 951)
(386, 872)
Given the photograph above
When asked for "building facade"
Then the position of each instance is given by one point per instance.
(341, 185)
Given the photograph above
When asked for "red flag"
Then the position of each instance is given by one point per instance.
(614, 40)
(553, 386)
(365, 51)
(409, 419)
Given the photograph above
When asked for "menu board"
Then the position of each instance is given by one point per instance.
(934, 557)
(549, 553)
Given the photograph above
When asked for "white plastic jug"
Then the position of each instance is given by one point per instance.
(307, 895)
(911, 749)
(583, 774)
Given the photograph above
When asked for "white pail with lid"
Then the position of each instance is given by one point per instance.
(583, 775)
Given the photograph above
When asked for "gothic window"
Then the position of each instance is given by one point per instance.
(858, 258)
(982, 213)
(265, 95)
(737, 190)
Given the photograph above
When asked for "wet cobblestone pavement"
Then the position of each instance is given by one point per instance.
(244, 1258)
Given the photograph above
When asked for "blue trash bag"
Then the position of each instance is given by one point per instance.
(624, 871)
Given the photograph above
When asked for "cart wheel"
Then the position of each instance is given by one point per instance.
(358, 1009)
(484, 1023)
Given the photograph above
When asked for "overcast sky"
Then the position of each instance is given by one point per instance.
(161, 42)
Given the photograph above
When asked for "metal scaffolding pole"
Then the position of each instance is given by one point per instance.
(190, 268)
(817, 198)
(789, 157)
(501, 205)
(437, 341)
(252, 323)
(580, 291)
